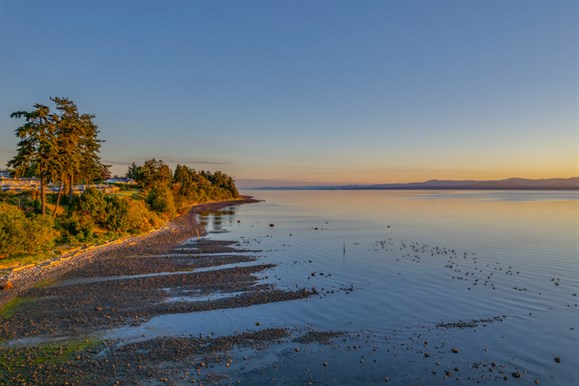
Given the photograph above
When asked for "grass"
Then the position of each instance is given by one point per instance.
(24, 259)
(131, 193)
(45, 283)
(43, 363)
(10, 308)
(55, 353)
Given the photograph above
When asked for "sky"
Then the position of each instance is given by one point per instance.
(307, 92)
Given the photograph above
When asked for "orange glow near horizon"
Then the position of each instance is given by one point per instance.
(374, 167)
(409, 175)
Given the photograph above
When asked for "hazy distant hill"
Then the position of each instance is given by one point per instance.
(508, 184)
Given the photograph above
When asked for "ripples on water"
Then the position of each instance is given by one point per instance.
(415, 259)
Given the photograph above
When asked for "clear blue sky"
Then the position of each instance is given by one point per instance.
(308, 91)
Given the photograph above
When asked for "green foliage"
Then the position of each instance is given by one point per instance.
(38, 151)
(19, 234)
(61, 148)
(187, 185)
(116, 211)
(40, 234)
(92, 204)
(152, 173)
(76, 227)
(139, 218)
(12, 230)
(161, 200)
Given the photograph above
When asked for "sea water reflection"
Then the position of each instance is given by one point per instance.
(416, 261)
(218, 221)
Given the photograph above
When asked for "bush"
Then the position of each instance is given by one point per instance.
(40, 233)
(160, 199)
(12, 230)
(19, 234)
(76, 227)
(116, 211)
(140, 218)
(92, 203)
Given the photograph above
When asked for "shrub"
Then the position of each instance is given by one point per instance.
(12, 230)
(40, 233)
(19, 234)
(76, 227)
(161, 200)
(92, 203)
(140, 218)
(116, 212)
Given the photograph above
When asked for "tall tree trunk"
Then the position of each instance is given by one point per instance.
(42, 196)
(59, 195)
(70, 187)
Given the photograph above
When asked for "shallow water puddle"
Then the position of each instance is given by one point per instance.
(202, 297)
(90, 280)
(227, 266)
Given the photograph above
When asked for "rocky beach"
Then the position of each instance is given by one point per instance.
(52, 313)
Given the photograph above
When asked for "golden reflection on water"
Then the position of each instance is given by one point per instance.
(546, 217)
(430, 203)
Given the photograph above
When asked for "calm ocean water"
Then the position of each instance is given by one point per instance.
(403, 273)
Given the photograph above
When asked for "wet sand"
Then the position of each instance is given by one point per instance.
(53, 315)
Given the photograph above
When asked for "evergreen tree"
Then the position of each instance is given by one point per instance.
(78, 143)
(38, 148)
(60, 148)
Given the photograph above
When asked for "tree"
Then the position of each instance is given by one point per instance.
(37, 148)
(133, 172)
(92, 204)
(79, 144)
(68, 136)
(57, 148)
(153, 173)
(105, 172)
(161, 200)
(91, 167)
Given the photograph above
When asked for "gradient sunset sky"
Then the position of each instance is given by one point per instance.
(307, 91)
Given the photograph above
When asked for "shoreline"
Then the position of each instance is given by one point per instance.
(160, 240)
(78, 326)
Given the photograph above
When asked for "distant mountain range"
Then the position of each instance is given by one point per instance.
(508, 184)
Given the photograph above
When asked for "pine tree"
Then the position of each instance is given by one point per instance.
(78, 143)
(38, 147)
(62, 148)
